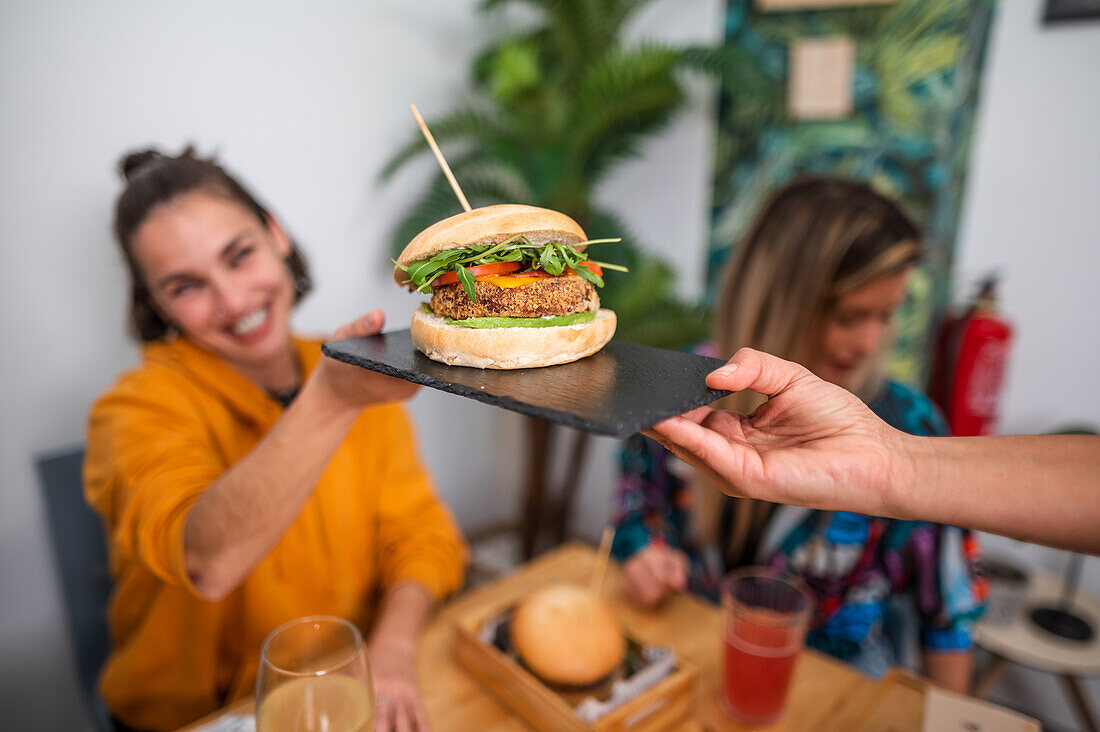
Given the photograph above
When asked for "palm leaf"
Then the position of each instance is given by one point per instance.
(625, 95)
(465, 124)
(667, 324)
(899, 68)
(633, 294)
(484, 181)
(486, 62)
(490, 178)
(573, 24)
(739, 72)
(437, 203)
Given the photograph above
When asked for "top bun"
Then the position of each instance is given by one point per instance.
(567, 635)
(488, 225)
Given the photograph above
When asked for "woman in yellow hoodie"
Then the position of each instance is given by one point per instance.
(244, 479)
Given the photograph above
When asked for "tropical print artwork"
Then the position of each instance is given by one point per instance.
(917, 76)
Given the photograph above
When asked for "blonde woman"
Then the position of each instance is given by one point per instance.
(817, 280)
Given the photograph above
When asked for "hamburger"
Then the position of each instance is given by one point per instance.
(570, 639)
(511, 287)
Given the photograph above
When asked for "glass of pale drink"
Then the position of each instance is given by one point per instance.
(314, 678)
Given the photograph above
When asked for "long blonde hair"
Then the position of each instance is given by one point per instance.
(814, 240)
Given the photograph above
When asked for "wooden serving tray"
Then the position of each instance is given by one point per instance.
(667, 702)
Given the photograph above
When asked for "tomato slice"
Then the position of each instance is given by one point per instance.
(481, 270)
(591, 267)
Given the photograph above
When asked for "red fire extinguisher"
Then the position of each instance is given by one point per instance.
(972, 355)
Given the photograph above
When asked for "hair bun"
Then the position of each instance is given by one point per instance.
(135, 161)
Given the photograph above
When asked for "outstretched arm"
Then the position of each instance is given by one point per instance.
(1040, 488)
(814, 444)
(244, 513)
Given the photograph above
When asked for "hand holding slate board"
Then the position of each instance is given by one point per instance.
(620, 390)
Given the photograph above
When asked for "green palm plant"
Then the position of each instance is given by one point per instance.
(555, 109)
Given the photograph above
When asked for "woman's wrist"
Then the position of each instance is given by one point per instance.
(908, 456)
(320, 393)
(403, 644)
(403, 613)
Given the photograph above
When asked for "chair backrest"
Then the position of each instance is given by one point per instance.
(80, 557)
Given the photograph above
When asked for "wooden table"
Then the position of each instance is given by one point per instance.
(825, 694)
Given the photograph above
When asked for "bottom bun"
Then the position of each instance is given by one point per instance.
(574, 695)
(509, 348)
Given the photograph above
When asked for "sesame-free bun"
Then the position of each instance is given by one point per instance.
(488, 225)
(509, 348)
(568, 636)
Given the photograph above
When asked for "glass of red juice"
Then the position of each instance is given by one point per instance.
(765, 614)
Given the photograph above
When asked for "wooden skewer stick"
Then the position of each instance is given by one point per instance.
(602, 557)
(439, 156)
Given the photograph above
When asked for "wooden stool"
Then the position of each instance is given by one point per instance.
(1021, 641)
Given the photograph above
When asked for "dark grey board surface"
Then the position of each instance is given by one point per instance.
(619, 390)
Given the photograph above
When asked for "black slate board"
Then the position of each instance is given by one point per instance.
(619, 390)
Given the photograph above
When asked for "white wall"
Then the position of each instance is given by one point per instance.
(305, 101)
(1033, 213)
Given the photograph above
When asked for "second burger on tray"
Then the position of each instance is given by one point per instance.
(511, 287)
(570, 639)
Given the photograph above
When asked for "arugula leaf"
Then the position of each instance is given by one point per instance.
(608, 265)
(546, 260)
(588, 275)
(468, 281)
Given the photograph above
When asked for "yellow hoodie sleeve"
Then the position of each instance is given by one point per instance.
(418, 538)
(149, 458)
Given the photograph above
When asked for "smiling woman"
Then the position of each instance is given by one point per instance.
(244, 479)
